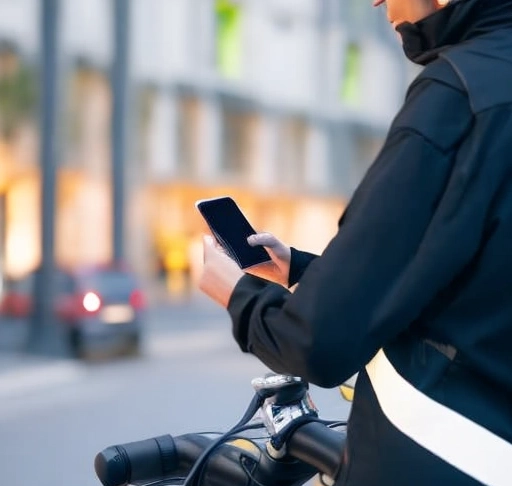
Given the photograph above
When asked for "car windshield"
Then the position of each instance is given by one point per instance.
(110, 284)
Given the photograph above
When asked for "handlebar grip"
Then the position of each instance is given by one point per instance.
(148, 460)
(164, 457)
(319, 446)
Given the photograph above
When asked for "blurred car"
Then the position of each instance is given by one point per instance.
(15, 301)
(100, 308)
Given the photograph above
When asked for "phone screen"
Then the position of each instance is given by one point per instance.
(231, 229)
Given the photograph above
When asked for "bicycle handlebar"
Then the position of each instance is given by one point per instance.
(319, 446)
(148, 460)
(165, 457)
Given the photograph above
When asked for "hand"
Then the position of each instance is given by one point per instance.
(220, 272)
(278, 270)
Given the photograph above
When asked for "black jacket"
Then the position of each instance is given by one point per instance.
(422, 261)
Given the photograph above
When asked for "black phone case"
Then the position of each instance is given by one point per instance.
(230, 228)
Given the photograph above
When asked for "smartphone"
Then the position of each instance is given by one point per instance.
(231, 229)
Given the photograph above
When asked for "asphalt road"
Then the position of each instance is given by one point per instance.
(56, 414)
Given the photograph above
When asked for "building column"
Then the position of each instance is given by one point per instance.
(44, 337)
(163, 137)
(119, 86)
(264, 158)
(317, 170)
(209, 138)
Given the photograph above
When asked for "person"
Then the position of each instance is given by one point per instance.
(414, 291)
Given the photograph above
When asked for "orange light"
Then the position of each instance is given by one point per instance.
(91, 302)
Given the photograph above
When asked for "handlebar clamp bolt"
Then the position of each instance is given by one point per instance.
(275, 453)
(326, 480)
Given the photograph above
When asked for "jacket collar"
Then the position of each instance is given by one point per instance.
(459, 21)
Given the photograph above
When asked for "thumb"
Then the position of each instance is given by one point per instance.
(263, 239)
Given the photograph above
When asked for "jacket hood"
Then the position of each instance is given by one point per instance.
(459, 21)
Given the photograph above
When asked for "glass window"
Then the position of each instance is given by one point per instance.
(228, 38)
(291, 152)
(144, 104)
(87, 118)
(350, 89)
(18, 92)
(187, 137)
(236, 140)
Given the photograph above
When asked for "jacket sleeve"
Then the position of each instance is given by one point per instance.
(299, 261)
(393, 252)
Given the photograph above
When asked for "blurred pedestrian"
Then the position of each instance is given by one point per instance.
(414, 292)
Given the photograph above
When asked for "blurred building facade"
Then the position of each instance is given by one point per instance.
(282, 104)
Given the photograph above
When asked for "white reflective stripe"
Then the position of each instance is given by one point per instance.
(457, 440)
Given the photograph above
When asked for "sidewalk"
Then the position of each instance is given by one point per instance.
(11, 360)
(17, 361)
(13, 354)
(22, 374)
(13, 336)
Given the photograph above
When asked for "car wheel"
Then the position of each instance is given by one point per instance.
(76, 343)
(134, 347)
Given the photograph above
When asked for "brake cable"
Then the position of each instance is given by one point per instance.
(241, 426)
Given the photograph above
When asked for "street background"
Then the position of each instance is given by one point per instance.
(115, 117)
(56, 415)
